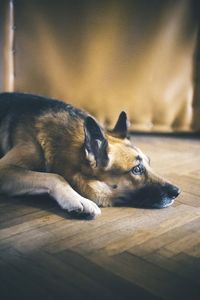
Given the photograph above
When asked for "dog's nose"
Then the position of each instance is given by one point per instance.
(172, 190)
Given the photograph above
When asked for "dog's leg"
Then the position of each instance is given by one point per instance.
(18, 178)
(97, 190)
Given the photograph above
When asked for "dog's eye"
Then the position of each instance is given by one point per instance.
(138, 170)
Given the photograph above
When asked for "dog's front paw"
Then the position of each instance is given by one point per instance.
(88, 210)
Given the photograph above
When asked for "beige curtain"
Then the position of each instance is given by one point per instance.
(108, 56)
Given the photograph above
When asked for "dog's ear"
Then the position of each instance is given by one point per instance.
(121, 128)
(96, 145)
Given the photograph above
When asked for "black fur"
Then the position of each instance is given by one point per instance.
(20, 104)
(121, 128)
(149, 196)
(96, 142)
(17, 108)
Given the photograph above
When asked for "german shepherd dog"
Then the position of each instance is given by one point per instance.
(48, 146)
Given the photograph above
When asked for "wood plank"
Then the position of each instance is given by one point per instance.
(154, 279)
(126, 253)
(157, 242)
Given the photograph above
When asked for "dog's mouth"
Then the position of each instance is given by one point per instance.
(149, 196)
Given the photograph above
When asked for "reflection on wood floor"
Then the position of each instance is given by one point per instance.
(127, 253)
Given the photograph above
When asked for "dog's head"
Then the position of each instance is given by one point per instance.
(121, 170)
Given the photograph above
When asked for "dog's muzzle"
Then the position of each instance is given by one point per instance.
(149, 196)
(171, 190)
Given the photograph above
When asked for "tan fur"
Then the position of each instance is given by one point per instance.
(48, 156)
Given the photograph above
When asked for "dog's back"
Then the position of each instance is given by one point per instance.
(21, 110)
(19, 104)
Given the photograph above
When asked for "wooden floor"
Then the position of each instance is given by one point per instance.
(126, 253)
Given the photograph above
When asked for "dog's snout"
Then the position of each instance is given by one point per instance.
(172, 190)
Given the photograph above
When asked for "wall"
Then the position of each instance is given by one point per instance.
(2, 20)
(196, 101)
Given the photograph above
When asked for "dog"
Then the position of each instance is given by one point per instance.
(50, 147)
